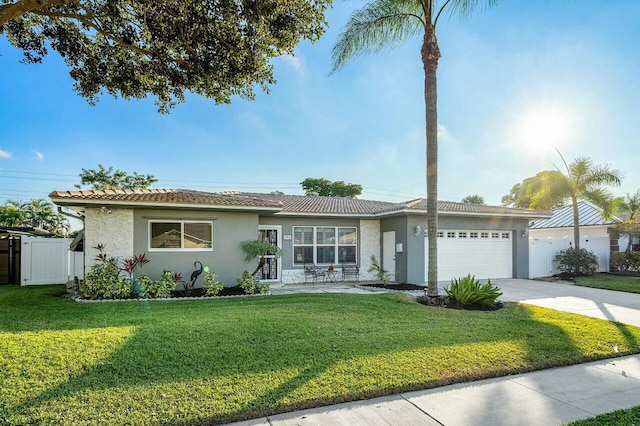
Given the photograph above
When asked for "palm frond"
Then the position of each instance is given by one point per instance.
(603, 199)
(464, 8)
(378, 25)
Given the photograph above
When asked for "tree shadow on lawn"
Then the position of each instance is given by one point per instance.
(260, 356)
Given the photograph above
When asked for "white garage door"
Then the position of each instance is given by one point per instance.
(485, 254)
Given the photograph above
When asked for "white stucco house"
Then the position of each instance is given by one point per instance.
(549, 236)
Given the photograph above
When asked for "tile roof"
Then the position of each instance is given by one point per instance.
(283, 203)
(163, 196)
(588, 214)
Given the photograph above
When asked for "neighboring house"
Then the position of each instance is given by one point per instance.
(549, 236)
(178, 227)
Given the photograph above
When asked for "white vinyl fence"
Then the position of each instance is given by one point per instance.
(543, 250)
(48, 261)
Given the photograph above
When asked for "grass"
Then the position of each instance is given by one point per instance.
(213, 361)
(611, 282)
(627, 417)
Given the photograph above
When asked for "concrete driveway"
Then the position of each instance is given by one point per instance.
(568, 297)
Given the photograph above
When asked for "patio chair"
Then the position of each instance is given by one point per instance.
(350, 270)
(312, 273)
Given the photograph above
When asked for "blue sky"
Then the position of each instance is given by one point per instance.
(515, 81)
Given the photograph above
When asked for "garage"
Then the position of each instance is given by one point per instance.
(483, 253)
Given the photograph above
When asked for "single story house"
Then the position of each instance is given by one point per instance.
(177, 227)
(549, 236)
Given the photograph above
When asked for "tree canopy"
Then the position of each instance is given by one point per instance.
(544, 191)
(109, 179)
(327, 188)
(133, 49)
(473, 199)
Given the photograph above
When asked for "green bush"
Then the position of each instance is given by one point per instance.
(157, 289)
(577, 262)
(211, 286)
(626, 261)
(250, 286)
(103, 282)
(469, 291)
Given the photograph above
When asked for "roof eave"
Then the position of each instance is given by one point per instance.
(473, 214)
(97, 203)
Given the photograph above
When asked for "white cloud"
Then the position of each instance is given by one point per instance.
(442, 131)
(38, 154)
(295, 63)
(5, 154)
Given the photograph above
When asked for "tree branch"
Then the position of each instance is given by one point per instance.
(20, 7)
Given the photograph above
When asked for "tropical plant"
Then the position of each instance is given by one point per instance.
(383, 23)
(577, 262)
(473, 199)
(211, 286)
(378, 271)
(258, 249)
(469, 291)
(36, 213)
(541, 192)
(161, 288)
(249, 284)
(103, 281)
(630, 226)
(626, 261)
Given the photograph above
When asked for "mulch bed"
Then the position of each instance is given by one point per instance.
(402, 286)
(446, 302)
(198, 292)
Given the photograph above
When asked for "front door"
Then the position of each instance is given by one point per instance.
(272, 268)
(389, 252)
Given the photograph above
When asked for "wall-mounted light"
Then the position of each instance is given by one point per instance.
(417, 231)
(105, 210)
(525, 233)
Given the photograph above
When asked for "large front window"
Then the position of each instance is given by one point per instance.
(324, 245)
(180, 235)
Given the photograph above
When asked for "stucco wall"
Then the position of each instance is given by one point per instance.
(111, 227)
(588, 231)
(226, 259)
(369, 246)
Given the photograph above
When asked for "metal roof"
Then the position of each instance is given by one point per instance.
(588, 215)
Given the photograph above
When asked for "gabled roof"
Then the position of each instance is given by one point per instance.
(280, 204)
(588, 215)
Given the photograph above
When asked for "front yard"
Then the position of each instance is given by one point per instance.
(212, 361)
(611, 282)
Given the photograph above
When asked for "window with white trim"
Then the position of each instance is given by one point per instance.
(451, 234)
(506, 235)
(462, 235)
(324, 245)
(440, 234)
(180, 235)
(473, 235)
(484, 235)
(495, 235)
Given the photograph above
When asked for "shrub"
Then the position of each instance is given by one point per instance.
(577, 262)
(469, 291)
(159, 288)
(211, 287)
(103, 282)
(626, 261)
(250, 286)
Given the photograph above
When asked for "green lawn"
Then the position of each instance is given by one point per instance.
(611, 282)
(628, 417)
(187, 362)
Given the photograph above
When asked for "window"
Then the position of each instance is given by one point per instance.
(484, 235)
(462, 235)
(495, 235)
(451, 234)
(506, 235)
(440, 234)
(473, 235)
(180, 235)
(324, 245)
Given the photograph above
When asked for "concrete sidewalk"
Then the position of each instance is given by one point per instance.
(547, 397)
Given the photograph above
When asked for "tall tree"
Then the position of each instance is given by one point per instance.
(473, 199)
(37, 213)
(383, 23)
(327, 188)
(630, 225)
(109, 179)
(529, 193)
(163, 48)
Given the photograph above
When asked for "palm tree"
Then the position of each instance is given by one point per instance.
(383, 23)
(473, 199)
(585, 180)
(39, 212)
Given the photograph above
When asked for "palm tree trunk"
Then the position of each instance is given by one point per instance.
(576, 223)
(430, 57)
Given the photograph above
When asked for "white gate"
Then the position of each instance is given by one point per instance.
(44, 260)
